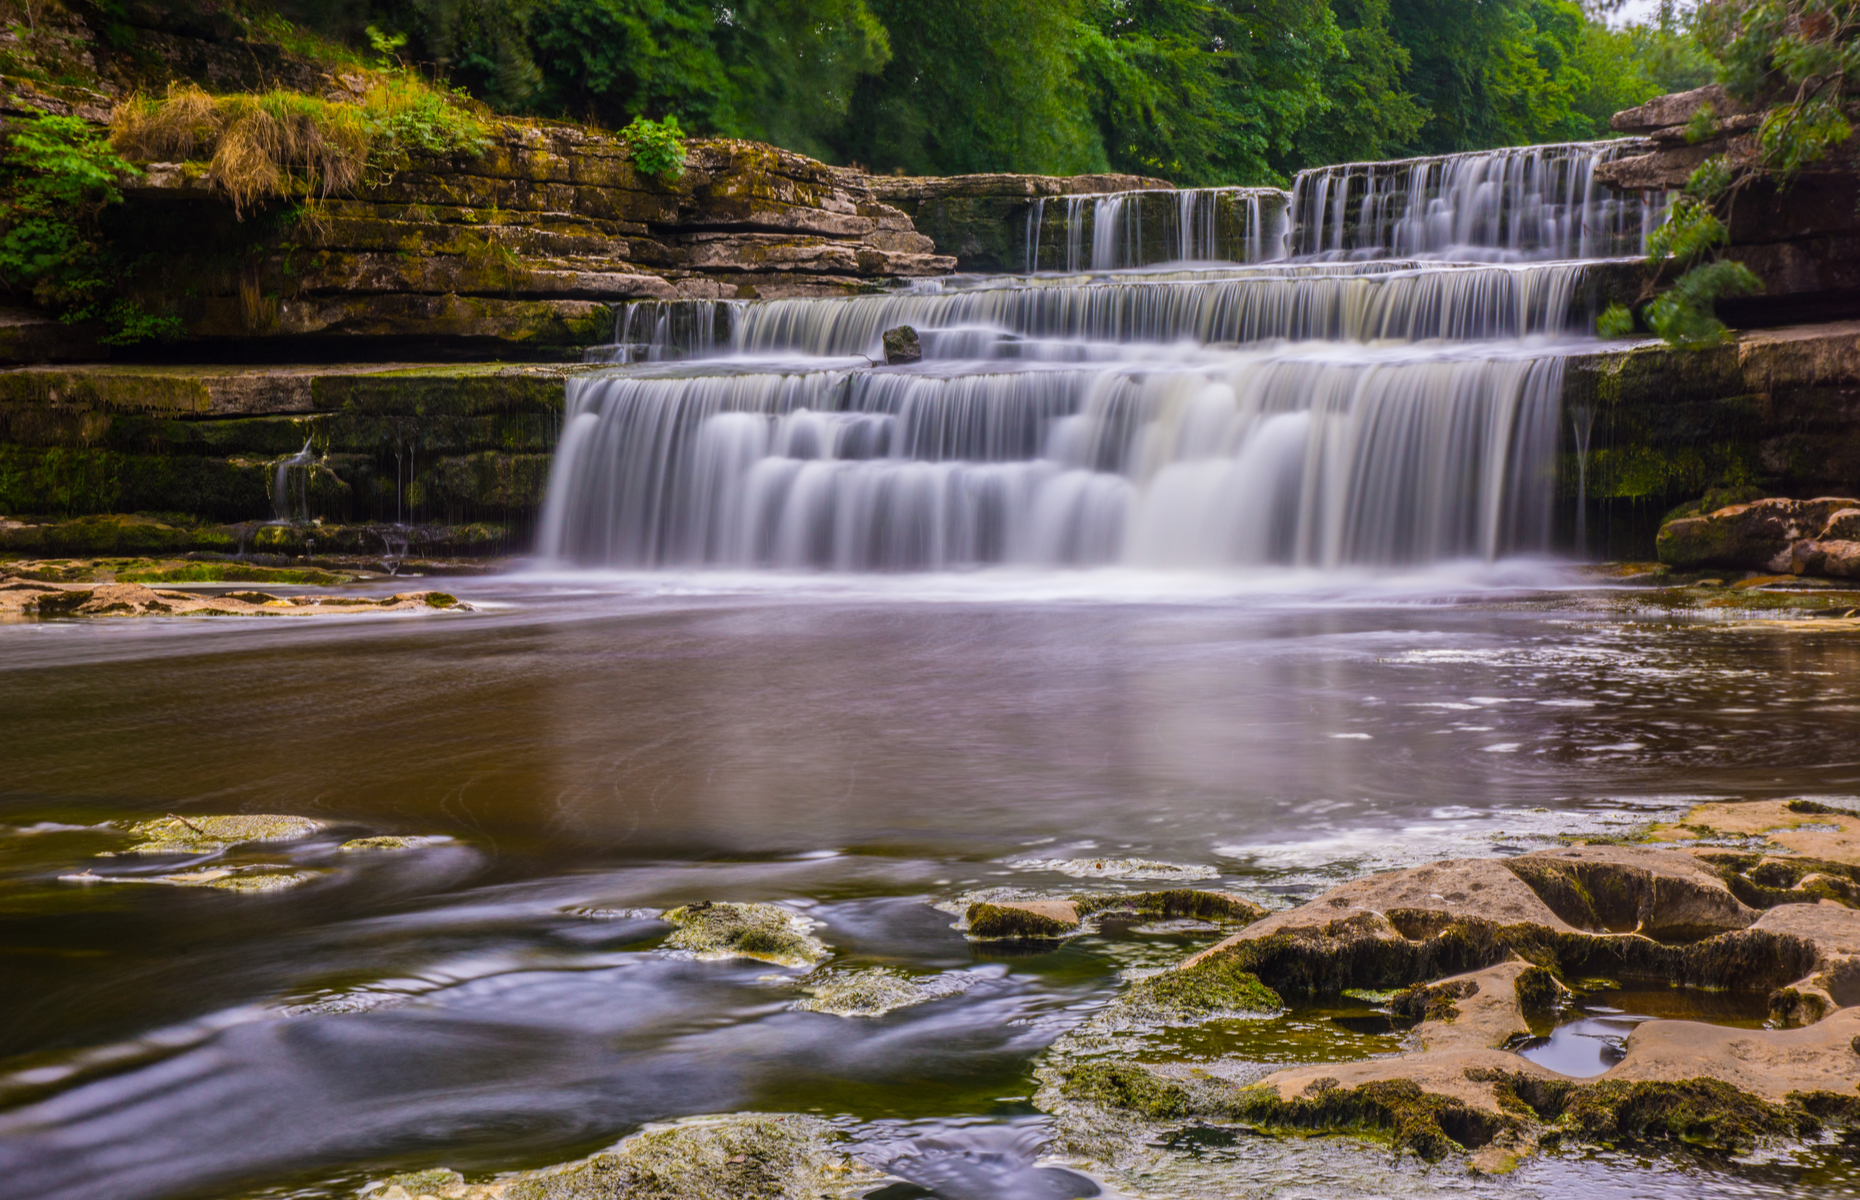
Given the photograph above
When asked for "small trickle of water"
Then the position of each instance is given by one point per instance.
(285, 505)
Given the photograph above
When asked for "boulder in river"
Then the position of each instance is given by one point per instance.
(761, 931)
(1758, 536)
(902, 346)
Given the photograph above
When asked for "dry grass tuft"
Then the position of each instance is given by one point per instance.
(264, 145)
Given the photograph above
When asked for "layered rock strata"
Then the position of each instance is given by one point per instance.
(1803, 242)
(982, 220)
(1777, 536)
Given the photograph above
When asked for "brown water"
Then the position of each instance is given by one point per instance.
(590, 748)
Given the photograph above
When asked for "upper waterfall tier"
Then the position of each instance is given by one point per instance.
(1527, 203)
(1120, 230)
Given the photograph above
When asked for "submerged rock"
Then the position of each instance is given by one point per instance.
(384, 842)
(745, 1156)
(193, 835)
(229, 879)
(760, 931)
(1119, 868)
(872, 992)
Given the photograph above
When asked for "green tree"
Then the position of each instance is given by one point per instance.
(974, 85)
(1369, 112)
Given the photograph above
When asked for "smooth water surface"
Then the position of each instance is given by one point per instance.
(588, 750)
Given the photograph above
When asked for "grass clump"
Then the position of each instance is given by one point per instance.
(262, 146)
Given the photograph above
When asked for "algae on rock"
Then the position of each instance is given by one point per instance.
(195, 835)
(761, 931)
(872, 992)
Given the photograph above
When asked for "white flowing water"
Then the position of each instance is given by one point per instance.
(1528, 203)
(1345, 407)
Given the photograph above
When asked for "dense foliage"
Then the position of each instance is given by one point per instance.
(57, 175)
(1197, 91)
(1793, 58)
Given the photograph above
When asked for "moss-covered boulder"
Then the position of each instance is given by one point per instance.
(761, 931)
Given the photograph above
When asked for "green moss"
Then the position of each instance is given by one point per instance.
(1216, 984)
(232, 573)
(191, 835)
(420, 1183)
(760, 931)
(1172, 904)
(1432, 1002)
(995, 922)
(383, 842)
(744, 1157)
(1396, 1111)
(1128, 1087)
(1538, 991)
(1706, 1114)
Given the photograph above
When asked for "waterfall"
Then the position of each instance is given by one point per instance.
(1529, 203)
(1232, 458)
(1343, 301)
(284, 505)
(1184, 395)
(1120, 230)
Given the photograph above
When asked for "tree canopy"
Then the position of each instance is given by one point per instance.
(1195, 91)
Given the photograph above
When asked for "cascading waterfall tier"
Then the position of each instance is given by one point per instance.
(1118, 230)
(1528, 203)
(1343, 407)
(1292, 455)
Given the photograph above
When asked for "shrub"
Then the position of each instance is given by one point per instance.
(57, 176)
(658, 147)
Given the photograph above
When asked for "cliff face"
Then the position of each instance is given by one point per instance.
(1803, 242)
(520, 250)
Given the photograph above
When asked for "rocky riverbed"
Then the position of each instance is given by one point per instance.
(1464, 968)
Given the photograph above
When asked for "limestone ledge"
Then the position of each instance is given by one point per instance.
(516, 245)
(1483, 947)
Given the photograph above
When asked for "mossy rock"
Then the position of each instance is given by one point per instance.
(1174, 904)
(414, 1184)
(1432, 1002)
(1010, 922)
(214, 572)
(382, 842)
(744, 1157)
(872, 992)
(1212, 986)
(1398, 1112)
(192, 835)
(759, 931)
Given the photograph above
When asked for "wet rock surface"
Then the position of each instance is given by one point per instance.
(1476, 957)
(761, 931)
(44, 600)
(1779, 536)
(746, 1156)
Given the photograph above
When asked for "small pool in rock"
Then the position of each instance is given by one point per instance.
(1592, 1035)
